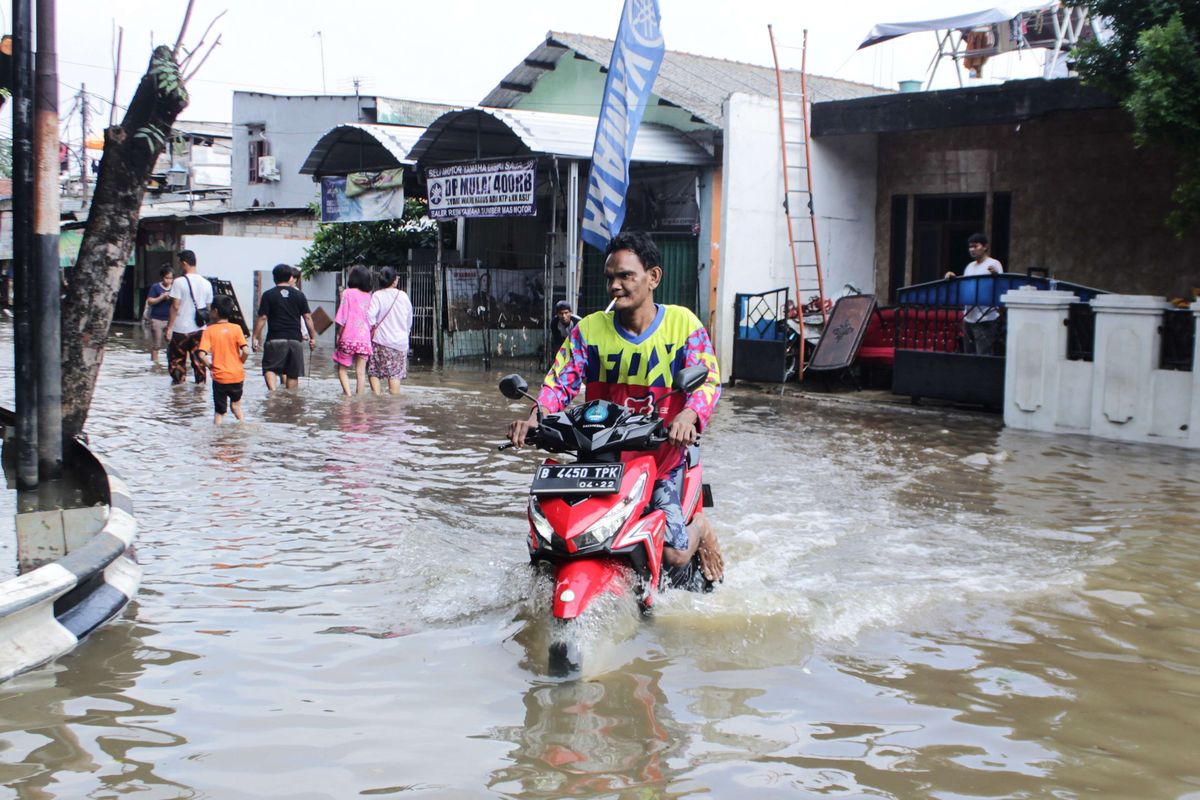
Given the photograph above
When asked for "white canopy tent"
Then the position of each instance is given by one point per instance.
(970, 39)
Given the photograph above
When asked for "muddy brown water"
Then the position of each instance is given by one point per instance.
(335, 604)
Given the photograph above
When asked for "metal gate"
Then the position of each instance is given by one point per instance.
(419, 281)
(760, 338)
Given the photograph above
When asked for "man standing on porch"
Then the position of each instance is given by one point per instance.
(981, 324)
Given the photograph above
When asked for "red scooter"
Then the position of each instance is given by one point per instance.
(588, 519)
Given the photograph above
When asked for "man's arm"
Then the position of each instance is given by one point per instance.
(565, 378)
(699, 351)
(172, 315)
(312, 331)
(562, 383)
(256, 337)
(686, 426)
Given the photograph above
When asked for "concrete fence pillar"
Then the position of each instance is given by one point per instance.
(1128, 346)
(1035, 359)
(1194, 421)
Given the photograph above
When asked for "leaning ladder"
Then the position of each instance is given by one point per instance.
(798, 201)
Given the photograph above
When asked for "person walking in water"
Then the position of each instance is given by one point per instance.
(390, 315)
(223, 348)
(354, 331)
(158, 308)
(283, 310)
(191, 295)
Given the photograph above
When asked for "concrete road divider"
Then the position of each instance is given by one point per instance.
(45, 612)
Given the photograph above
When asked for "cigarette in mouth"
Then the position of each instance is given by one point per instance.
(610, 305)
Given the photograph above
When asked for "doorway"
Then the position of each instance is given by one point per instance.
(941, 227)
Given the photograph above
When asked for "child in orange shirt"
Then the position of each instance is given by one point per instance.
(223, 348)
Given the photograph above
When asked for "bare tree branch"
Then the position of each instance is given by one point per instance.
(196, 48)
(112, 115)
(187, 16)
(189, 76)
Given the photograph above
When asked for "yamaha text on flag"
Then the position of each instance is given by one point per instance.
(637, 55)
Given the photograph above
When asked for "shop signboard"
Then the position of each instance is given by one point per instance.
(363, 196)
(506, 188)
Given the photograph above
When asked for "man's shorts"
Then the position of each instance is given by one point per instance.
(284, 357)
(667, 499)
(225, 393)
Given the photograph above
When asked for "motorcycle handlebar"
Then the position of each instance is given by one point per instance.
(531, 440)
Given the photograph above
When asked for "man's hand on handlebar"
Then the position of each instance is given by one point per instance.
(683, 429)
(519, 430)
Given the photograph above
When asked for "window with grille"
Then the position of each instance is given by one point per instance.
(258, 147)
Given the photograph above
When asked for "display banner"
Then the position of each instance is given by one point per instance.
(636, 57)
(363, 197)
(483, 189)
(480, 297)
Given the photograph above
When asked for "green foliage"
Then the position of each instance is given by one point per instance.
(170, 93)
(6, 158)
(1152, 64)
(384, 243)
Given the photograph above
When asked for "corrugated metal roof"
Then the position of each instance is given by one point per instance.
(359, 147)
(490, 132)
(216, 130)
(698, 84)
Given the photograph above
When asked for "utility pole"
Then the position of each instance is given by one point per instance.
(46, 223)
(321, 41)
(83, 156)
(24, 273)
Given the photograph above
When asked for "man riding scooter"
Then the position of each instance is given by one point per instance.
(628, 357)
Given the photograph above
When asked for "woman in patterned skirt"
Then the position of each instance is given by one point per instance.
(391, 316)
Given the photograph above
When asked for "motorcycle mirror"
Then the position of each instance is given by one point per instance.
(690, 379)
(514, 387)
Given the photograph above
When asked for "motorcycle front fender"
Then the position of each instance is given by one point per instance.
(577, 583)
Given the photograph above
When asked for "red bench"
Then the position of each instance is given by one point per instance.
(879, 340)
(931, 329)
(936, 330)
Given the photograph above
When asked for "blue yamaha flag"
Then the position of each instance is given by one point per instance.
(637, 54)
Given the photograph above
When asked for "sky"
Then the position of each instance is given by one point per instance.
(455, 51)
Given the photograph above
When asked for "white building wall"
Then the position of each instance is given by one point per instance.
(845, 182)
(292, 125)
(236, 259)
(755, 255)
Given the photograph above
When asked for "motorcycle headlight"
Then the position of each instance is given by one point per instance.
(540, 523)
(607, 526)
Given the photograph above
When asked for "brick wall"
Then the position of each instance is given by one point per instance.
(270, 226)
(1086, 203)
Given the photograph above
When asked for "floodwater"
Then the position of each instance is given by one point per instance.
(336, 604)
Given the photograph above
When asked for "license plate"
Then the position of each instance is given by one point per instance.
(577, 479)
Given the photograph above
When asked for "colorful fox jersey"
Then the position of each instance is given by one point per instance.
(636, 371)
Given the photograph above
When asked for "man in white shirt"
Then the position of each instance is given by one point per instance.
(981, 324)
(189, 293)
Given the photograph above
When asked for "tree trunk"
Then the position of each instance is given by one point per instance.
(130, 150)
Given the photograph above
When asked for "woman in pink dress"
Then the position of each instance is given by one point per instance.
(354, 331)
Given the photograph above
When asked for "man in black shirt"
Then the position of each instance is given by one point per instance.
(283, 309)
